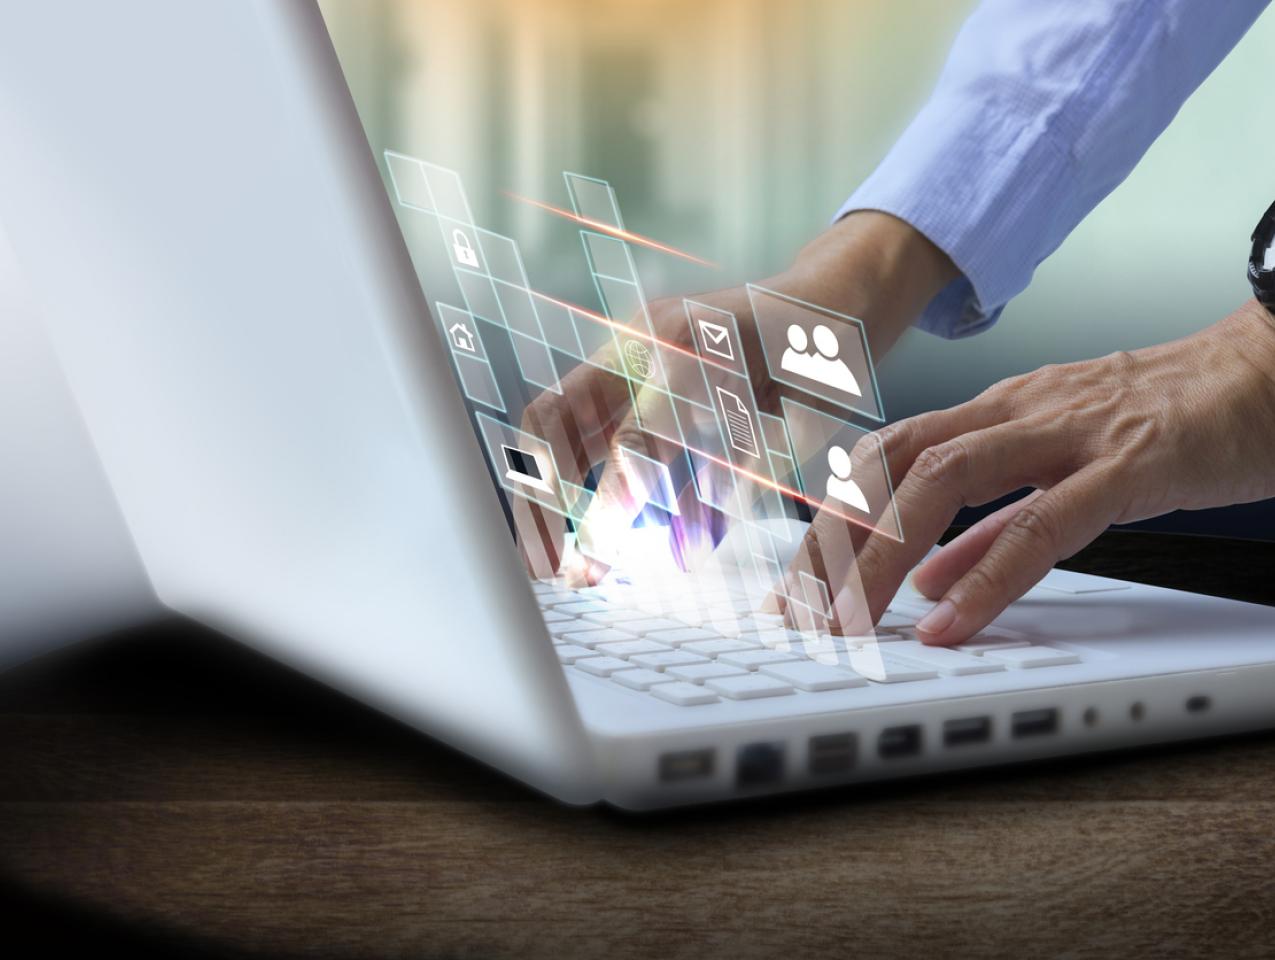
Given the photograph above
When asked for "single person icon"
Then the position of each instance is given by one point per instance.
(822, 365)
(840, 486)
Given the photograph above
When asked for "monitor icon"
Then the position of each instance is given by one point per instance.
(523, 466)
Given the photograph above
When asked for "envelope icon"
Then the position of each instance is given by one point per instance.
(716, 339)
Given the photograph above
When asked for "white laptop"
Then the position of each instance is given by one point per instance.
(216, 254)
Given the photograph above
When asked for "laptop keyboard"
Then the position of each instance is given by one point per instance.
(680, 657)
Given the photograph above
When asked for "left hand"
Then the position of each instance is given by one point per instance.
(1185, 425)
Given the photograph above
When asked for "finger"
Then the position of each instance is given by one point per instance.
(572, 434)
(1054, 526)
(933, 577)
(965, 471)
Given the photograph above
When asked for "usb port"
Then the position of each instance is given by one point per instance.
(1035, 723)
(759, 764)
(687, 765)
(967, 730)
(899, 742)
(832, 753)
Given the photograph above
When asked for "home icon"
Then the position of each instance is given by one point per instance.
(462, 339)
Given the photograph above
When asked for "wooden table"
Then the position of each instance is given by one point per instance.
(173, 790)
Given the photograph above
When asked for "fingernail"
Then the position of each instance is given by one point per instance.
(938, 619)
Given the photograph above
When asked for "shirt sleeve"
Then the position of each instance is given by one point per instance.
(1041, 111)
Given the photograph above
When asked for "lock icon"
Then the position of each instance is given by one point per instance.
(463, 250)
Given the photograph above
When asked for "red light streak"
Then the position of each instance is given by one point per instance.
(617, 232)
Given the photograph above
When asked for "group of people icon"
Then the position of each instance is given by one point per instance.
(822, 365)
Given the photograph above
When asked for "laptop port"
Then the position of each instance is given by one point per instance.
(967, 730)
(1034, 723)
(759, 764)
(1198, 704)
(686, 765)
(899, 742)
(832, 753)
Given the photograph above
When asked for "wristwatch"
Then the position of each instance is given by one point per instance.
(1261, 265)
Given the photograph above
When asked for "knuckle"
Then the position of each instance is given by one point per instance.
(939, 464)
(898, 436)
(1035, 526)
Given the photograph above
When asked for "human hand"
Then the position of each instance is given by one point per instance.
(869, 265)
(1184, 425)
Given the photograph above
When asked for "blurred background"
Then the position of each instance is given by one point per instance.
(733, 129)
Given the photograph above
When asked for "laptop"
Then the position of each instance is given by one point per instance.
(220, 262)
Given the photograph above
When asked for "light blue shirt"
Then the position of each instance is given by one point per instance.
(1043, 108)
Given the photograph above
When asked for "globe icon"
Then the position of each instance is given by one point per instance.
(637, 357)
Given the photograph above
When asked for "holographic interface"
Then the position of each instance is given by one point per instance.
(670, 451)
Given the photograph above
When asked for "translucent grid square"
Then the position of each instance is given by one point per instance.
(623, 302)
(598, 340)
(817, 350)
(480, 297)
(479, 382)
(407, 175)
(519, 310)
(715, 334)
(593, 199)
(497, 436)
(448, 193)
(559, 327)
(460, 331)
(503, 260)
(477, 379)
(650, 478)
(859, 491)
(465, 251)
(535, 362)
(608, 256)
(775, 432)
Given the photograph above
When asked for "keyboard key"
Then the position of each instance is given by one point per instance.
(570, 625)
(659, 661)
(602, 666)
(950, 663)
(617, 615)
(675, 638)
(1025, 657)
(699, 672)
(553, 616)
(590, 638)
(570, 653)
(712, 648)
(991, 641)
(640, 679)
(581, 607)
(684, 694)
(777, 639)
(643, 627)
(627, 648)
(750, 686)
(552, 597)
(876, 664)
(752, 659)
(813, 677)
(890, 621)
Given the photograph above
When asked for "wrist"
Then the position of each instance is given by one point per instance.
(876, 268)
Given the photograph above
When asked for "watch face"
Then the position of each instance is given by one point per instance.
(1268, 262)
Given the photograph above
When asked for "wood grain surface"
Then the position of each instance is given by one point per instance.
(173, 791)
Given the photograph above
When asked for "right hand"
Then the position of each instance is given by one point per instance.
(869, 265)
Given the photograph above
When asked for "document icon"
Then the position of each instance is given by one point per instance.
(716, 339)
(739, 424)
